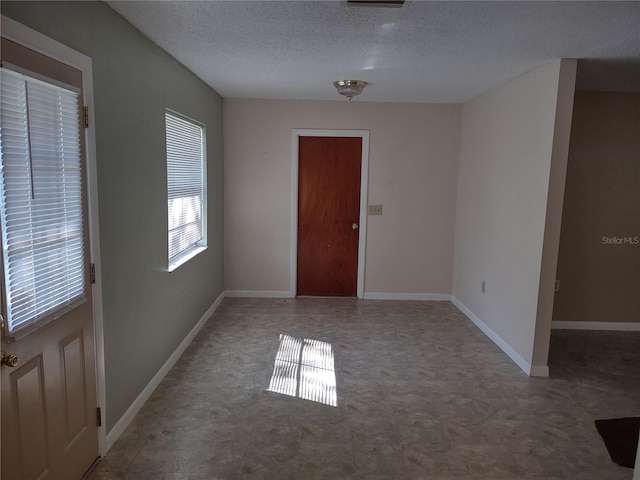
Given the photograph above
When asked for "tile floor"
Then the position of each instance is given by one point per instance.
(421, 394)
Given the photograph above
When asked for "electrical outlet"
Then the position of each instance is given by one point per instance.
(483, 286)
(375, 209)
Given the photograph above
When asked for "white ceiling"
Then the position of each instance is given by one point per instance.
(425, 51)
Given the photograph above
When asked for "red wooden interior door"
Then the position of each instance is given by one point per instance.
(328, 215)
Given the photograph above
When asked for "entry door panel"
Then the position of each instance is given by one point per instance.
(49, 421)
(49, 427)
(329, 170)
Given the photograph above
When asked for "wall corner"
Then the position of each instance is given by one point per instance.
(553, 219)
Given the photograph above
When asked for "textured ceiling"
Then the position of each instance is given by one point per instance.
(423, 52)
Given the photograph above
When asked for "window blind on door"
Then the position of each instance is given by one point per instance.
(40, 199)
(185, 187)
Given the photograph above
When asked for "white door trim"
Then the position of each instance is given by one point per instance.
(364, 182)
(40, 43)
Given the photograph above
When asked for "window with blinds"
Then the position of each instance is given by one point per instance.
(186, 188)
(40, 199)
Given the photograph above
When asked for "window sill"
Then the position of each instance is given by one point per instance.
(185, 257)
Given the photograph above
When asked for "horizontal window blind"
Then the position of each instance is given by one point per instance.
(185, 185)
(40, 198)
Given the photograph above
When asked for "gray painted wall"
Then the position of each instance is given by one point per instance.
(147, 311)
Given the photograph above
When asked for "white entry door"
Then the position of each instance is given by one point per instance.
(49, 418)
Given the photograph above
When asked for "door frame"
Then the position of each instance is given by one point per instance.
(40, 43)
(364, 182)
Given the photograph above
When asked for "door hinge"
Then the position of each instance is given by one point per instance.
(86, 117)
(92, 273)
(99, 416)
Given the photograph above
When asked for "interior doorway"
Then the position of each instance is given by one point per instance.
(329, 212)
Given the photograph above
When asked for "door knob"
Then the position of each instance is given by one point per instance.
(9, 360)
(354, 226)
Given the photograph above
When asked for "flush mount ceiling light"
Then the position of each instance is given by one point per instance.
(349, 88)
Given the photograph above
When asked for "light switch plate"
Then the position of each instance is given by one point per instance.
(375, 209)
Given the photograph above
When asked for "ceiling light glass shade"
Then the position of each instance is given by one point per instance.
(349, 88)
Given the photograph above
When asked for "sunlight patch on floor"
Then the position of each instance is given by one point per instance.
(304, 368)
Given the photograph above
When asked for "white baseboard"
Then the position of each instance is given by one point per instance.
(257, 294)
(367, 295)
(137, 404)
(614, 326)
(434, 297)
(534, 371)
(539, 371)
